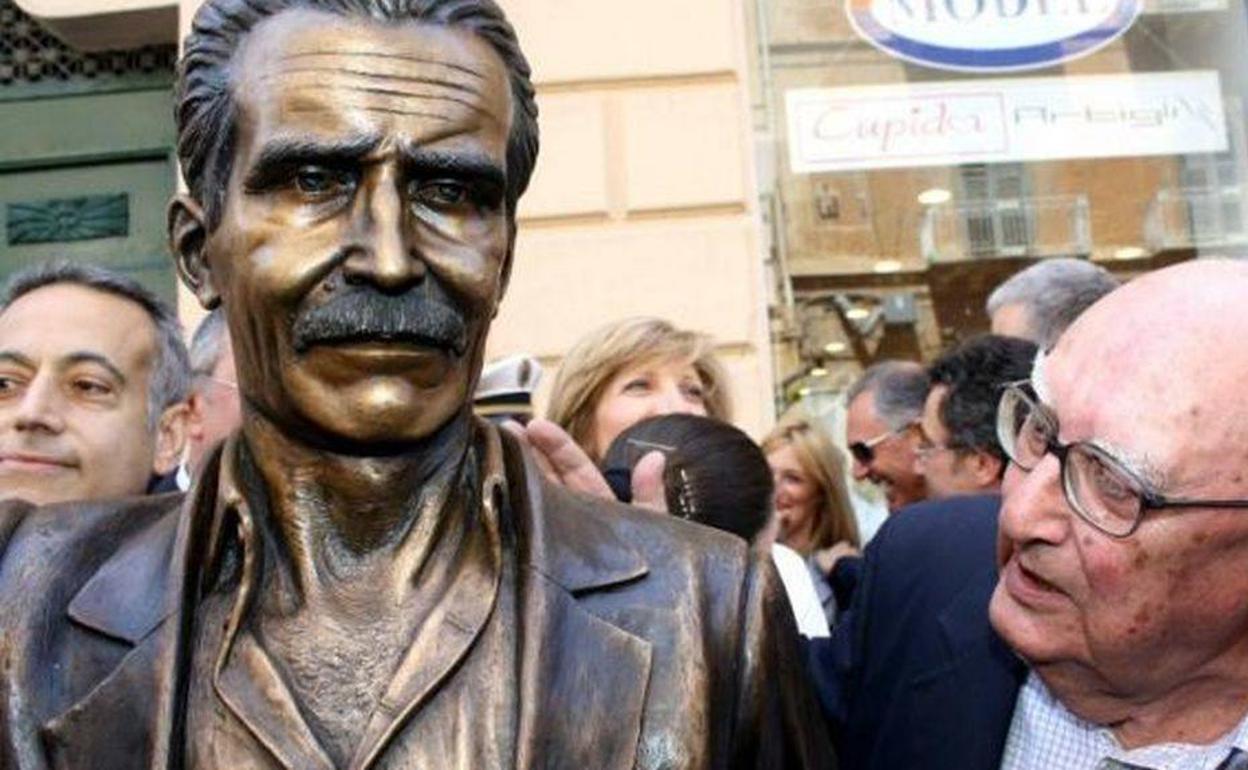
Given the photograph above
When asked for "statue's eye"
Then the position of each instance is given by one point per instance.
(442, 194)
(318, 180)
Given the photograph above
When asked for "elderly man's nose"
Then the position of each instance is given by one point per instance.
(1034, 507)
(384, 253)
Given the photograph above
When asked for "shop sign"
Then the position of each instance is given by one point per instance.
(1183, 6)
(990, 35)
(1005, 120)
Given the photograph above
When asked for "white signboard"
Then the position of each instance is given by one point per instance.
(1183, 6)
(990, 35)
(992, 121)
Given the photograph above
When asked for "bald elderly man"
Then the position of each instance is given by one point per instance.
(1103, 623)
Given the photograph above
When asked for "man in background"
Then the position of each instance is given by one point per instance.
(1038, 303)
(884, 407)
(959, 452)
(215, 409)
(93, 385)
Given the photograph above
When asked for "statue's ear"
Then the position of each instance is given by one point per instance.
(188, 235)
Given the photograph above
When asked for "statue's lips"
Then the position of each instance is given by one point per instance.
(386, 344)
(387, 356)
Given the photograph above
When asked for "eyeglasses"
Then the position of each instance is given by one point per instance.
(218, 380)
(924, 451)
(928, 447)
(1099, 488)
(864, 451)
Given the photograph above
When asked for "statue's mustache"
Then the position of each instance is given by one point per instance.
(363, 314)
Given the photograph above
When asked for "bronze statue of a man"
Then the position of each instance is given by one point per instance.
(366, 576)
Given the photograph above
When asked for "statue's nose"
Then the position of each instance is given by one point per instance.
(387, 256)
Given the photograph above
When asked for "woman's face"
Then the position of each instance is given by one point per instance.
(646, 390)
(797, 498)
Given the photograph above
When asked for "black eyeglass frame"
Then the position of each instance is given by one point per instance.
(1150, 499)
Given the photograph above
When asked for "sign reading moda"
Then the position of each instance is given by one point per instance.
(1005, 120)
(990, 35)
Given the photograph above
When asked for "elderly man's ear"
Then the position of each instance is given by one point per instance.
(171, 434)
(188, 237)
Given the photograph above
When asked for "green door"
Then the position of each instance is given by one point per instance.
(112, 214)
(86, 146)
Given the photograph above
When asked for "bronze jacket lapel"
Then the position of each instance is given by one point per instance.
(575, 669)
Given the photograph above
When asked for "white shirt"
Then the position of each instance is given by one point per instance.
(1044, 735)
(807, 610)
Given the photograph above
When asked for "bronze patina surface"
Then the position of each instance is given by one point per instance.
(365, 575)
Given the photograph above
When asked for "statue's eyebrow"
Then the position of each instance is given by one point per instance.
(279, 155)
(421, 163)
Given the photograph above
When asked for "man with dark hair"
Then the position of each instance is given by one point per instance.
(1038, 303)
(883, 409)
(93, 384)
(367, 575)
(959, 453)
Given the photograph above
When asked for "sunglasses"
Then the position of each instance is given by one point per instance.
(864, 451)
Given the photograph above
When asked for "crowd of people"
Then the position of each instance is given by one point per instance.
(293, 544)
(101, 399)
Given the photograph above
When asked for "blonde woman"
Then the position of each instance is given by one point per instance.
(613, 378)
(812, 508)
(624, 372)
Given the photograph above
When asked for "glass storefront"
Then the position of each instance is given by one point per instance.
(914, 153)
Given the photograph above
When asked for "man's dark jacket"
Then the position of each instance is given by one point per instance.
(914, 677)
(645, 642)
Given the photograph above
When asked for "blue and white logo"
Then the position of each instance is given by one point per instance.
(991, 35)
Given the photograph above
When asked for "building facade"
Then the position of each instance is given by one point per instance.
(817, 184)
(643, 202)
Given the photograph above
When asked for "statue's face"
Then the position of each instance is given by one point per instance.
(364, 240)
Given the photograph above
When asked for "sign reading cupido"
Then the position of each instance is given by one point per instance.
(990, 35)
(1005, 120)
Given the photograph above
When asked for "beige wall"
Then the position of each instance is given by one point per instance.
(643, 201)
(94, 25)
(644, 198)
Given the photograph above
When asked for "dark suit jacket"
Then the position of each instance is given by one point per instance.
(914, 677)
(643, 641)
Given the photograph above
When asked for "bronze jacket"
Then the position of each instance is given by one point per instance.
(644, 641)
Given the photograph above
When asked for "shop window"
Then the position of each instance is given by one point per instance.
(1213, 190)
(995, 216)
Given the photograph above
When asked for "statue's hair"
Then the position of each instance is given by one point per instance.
(207, 114)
